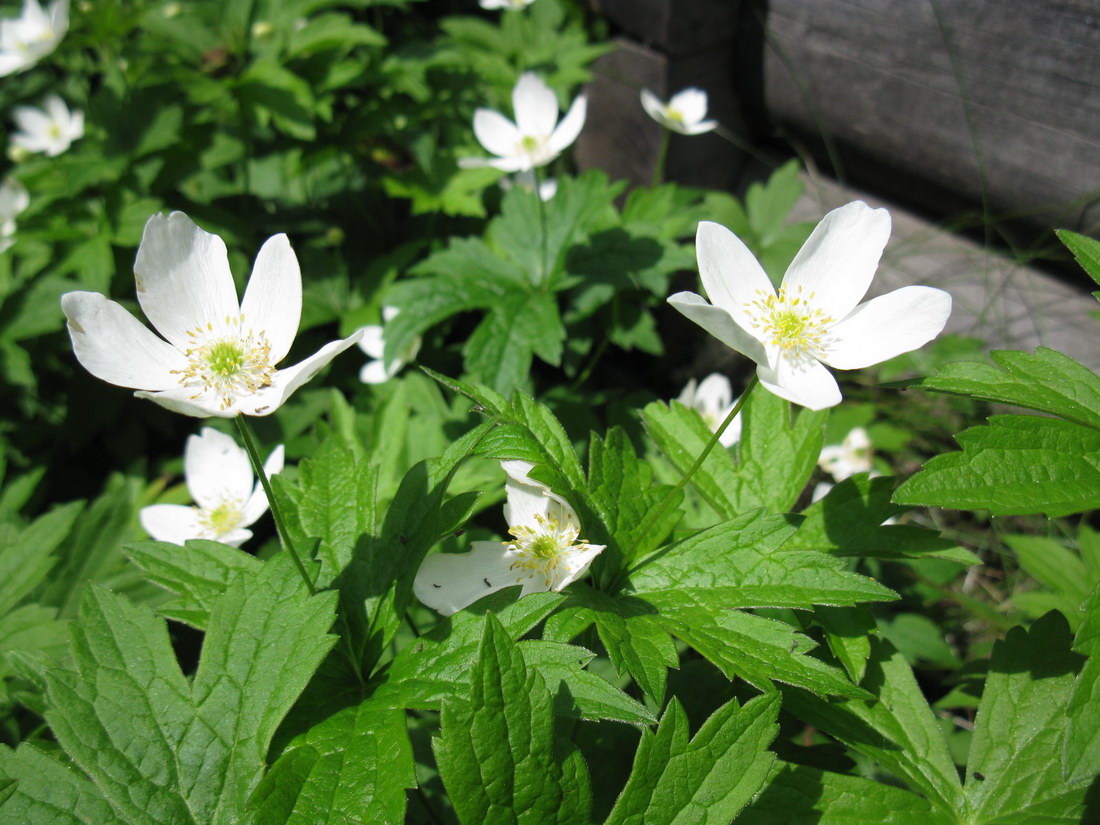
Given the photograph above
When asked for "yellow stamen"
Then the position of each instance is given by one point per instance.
(791, 322)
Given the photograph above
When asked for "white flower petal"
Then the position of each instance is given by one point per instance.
(372, 342)
(715, 394)
(808, 383)
(701, 128)
(374, 372)
(185, 402)
(889, 325)
(653, 106)
(257, 503)
(448, 582)
(691, 103)
(171, 522)
(286, 381)
(839, 259)
(115, 347)
(526, 503)
(731, 275)
(273, 299)
(570, 126)
(216, 469)
(535, 106)
(235, 537)
(732, 434)
(718, 323)
(495, 132)
(574, 565)
(183, 278)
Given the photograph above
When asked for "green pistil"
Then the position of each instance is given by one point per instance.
(224, 518)
(529, 143)
(544, 547)
(789, 325)
(226, 359)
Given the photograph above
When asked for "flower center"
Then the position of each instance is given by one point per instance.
(230, 366)
(54, 131)
(791, 322)
(222, 519)
(675, 115)
(534, 148)
(541, 550)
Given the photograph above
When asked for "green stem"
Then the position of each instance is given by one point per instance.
(662, 153)
(272, 502)
(545, 274)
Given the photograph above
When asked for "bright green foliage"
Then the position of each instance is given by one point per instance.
(704, 780)
(497, 752)
(1067, 577)
(1086, 250)
(775, 457)
(47, 791)
(203, 744)
(1081, 751)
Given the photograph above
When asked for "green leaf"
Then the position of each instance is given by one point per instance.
(705, 780)
(1014, 773)
(848, 634)
(744, 562)
(496, 751)
(204, 744)
(897, 729)
(848, 521)
(1056, 567)
(1081, 749)
(350, 768)
(758, 649)
(1015, 466)
(198, 573)
(1046, 380)
(802, 795)
(1085, 249)
(518, 326)
(331, 31)
(276, 92)
(26, 555)
(50, 793)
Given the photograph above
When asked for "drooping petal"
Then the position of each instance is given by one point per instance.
(718, 323)
(186, 402)
(653, 106)
(448, 582)
(286, 381)
(574, 564)
(495, 132)
(839, 259)
(691, 103)
(888, 325)
(273, 298)
(171, 522)
(807, 383)
(570, 126)
(731, 275)
(114, 346)
(183, 278)
(216, 469)
(235, 537)
(257, 502)
(535, 106)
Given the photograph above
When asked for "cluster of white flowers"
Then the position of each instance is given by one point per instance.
(713, 399)
(24, 40)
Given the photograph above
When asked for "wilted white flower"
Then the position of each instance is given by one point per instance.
(373, 344)
(218, 356)
(543, 554)
(14, 198)
(713, 400)
(813, 319)
(26, 39)
(526, 180)
(505, 4)
(227, 497)
(50, 131)
(536, 138)
(848, 458)
(684, 112)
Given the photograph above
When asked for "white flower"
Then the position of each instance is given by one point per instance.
(543, 553)
(683, 113)
(50, 131)
(536, 138)
(32, 35)
(813, 320)
(526, 180)
(219, 478)
(505, 4)
(14, 198)
(218, 356)
(846, 459)
(713, 400)
(374, 345)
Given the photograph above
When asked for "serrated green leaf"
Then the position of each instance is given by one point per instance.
(848, 521)
(204, 744)
(1085, 249)
(1014, 773)
(496, 750)
(704, 781)
(26, 553)
(1045, 380)
(198, 573)
(848, 634)
(1017, 465)
(897, 729)
(744, 562)
(517, 327)
(802, 795)
(1081, 749)
(50, 793)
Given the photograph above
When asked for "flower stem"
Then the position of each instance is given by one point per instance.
(662, 153)
(545, 274)
(272, 502)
